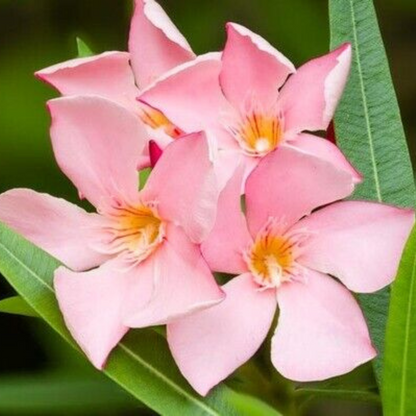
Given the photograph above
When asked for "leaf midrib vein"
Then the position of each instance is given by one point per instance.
(364, 97)
(129, 352)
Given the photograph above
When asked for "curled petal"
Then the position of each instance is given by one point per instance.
(309, 98)
(155, 44)
(108, 75)
(252, 68)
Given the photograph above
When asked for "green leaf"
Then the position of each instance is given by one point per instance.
(83, 49)
(141, 364)
(56, 393)
(252, 406)
(370, 132)
(399, 377)
(16, 305)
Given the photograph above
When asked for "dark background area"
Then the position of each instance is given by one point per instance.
(37, 33)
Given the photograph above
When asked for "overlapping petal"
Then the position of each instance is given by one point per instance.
(209, 345)
(189, 95)
(288, 184)
(325, 150)
(98, 145)
(174, 282)
(183, 183)
(321, 331)
(225, 245)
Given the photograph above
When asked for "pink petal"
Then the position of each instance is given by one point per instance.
(288, 184)
(183, 184)
(108, 75)
(209, 345)
(321, 331)
(60, 228)
(155, 44)
(91, 305)
(225, 245)
(98, 145)
(325, 150)
(189, 95)
(174, 282)
(309, 98)
(252, 68)
(358, 242)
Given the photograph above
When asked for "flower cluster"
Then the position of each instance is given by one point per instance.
(217, 129)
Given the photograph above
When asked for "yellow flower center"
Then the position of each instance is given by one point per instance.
(135, 230)
(272, 257)
(156, 120)
(258, 134)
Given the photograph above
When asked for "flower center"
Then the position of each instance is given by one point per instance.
(272, 257)
(135, 230)
(156, 120)
(258, 133)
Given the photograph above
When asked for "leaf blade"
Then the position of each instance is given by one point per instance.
(16, 305)
(370, 132)
(84, 51)
(399, 379)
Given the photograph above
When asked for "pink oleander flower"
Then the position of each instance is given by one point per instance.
(284, 252)
(136, 262)
(155, 46)
(248, 106)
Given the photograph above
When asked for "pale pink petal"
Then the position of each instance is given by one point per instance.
(358, 242)
(321, 331)
(325, 150)
(209, 345)
(108, 75)
(189, 95)
(288, 184)
(91, 305)
(155, 44)
(60, 228)
(98, 145)
(252, 68)
(309, 98)
(173, 282)
(184, 185)
(225, 245)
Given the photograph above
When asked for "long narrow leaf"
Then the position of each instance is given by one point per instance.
(370, 132)
(399, 378)
(16, 305)
(141, 364)
(57, 393)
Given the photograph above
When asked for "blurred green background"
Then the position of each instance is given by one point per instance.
(38, 373)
